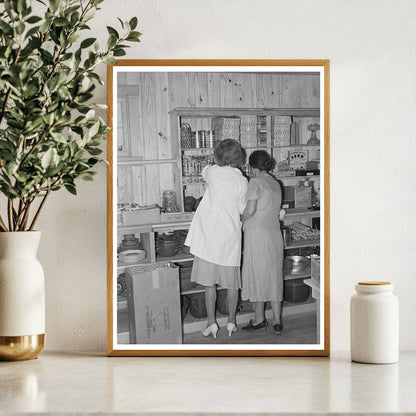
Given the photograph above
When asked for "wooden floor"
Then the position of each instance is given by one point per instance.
(298, 329)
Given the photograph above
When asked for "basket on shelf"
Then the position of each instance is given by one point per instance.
(296, 291)
(197, 305)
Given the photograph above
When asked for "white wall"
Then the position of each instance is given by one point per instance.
(371, 45)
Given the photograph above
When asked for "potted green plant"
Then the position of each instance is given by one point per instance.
(50, 136)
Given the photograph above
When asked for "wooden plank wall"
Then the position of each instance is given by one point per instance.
(152, 95)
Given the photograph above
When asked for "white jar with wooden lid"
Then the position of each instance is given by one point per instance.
(374, 323)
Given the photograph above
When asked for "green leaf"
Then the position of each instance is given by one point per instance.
(60, 138)
(133, 38)
(48, 118)
(110, 60)
(33, 19)
(20, 28)
(133, 23)
(10, 168)
(71, 188)
(74, 18)
(87, 42)
(61, 21)
(34, 125)
(86, 176)
(67, 153)
(47, 158)
(111, 30)
(73, 38)
(112, 41)
(10, 7)
(90, 114)
(31, 90)
(54, 4)
(7, 29)
(121, 22)
(21, 177)
(94, 151)
(31, 31)
(21, 5)
(119, 52)
(92, 161)
(94, 129)
(52, 171)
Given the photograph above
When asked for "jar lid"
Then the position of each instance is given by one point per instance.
(371, 287)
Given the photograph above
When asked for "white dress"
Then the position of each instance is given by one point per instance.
(215, 231)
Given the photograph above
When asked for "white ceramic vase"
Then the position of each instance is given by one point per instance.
(22, 296)
(374, 323)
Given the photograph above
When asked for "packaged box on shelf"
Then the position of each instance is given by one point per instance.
(248, 131)
(284, 173)
(281, 130)
(154, 304)
(167, 217)
(288, 197)
(141, 216)
(226, 128)
(315, 268)
(303, 196)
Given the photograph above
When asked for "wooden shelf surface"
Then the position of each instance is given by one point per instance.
(229, 112)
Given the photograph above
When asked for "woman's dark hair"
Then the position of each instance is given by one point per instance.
(228, 152)
(260, 159)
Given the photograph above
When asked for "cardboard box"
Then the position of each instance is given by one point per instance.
(303, 196)
(141, 216)
(315, 268)
(154, 304)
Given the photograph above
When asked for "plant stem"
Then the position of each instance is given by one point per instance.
(39, 209)
(32, 149)
(26, 216)
(21, 212)
(10, 213)
(17, 217)
(2, 225)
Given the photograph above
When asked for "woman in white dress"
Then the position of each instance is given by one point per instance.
(214, 236)
(262, 271)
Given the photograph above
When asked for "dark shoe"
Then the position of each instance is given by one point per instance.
(251, 327)
(278, 328)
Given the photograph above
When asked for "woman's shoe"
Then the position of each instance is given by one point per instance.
(231, 327)
(252, 327)
(278, 328)
(212, 329)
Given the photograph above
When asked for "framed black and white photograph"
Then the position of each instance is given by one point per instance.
(218, 208)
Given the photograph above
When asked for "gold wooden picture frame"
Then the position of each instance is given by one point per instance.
(166, 117)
